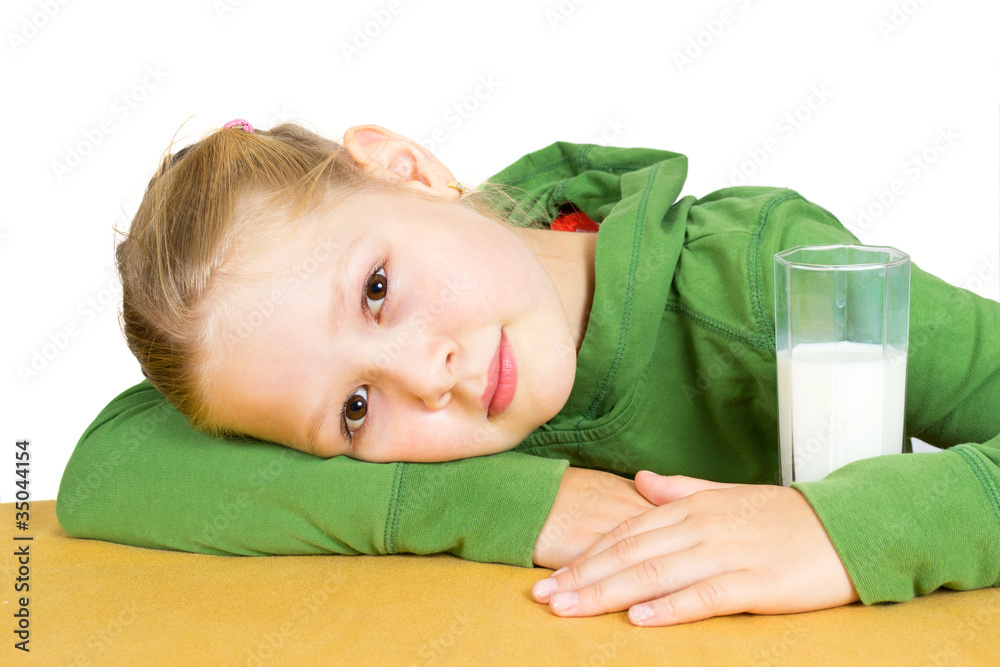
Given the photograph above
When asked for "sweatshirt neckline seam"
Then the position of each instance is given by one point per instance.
(626, 313)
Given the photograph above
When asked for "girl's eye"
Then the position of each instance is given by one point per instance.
(375, 291)
(355, 410)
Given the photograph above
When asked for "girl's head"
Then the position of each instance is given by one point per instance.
(341, 299)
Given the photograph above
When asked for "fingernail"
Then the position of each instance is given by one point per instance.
(640, 613)
(544, 588)
(564, 602)
(559, 571)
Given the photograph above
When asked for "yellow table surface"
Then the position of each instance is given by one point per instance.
(96, 603)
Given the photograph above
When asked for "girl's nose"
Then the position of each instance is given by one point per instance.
(426, 368)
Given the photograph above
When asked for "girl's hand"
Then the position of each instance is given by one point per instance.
(708, 550)
(588, 505)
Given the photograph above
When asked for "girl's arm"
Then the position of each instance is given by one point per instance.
(140, 475)
(906, 525)
(878, 530)
(900, 526)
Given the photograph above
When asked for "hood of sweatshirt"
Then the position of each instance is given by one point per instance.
(633, 194)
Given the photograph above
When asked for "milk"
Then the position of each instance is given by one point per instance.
(837, 403)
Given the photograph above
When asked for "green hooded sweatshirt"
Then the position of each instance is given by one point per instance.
(676, 374)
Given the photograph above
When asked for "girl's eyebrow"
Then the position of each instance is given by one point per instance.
(317, 424)
(342, 272)
(324, 410)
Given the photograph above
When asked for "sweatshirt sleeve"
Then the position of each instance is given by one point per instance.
(141, 476)
(907, 524)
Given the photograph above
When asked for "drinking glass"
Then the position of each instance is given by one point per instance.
(841, 328)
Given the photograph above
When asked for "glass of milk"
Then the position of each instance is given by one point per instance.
(841, 325)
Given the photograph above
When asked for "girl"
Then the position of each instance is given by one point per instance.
(356, 300)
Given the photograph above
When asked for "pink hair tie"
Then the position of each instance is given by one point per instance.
(240, 122)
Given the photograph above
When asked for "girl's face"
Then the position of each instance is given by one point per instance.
(423, 330)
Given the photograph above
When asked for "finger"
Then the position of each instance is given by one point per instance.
(658, 517)
(619, 557)
(720, 595)
(661, 489)
(649, 580)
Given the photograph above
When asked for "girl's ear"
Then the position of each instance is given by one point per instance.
(393, 156)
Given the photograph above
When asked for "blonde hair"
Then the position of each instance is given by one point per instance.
(230, 186)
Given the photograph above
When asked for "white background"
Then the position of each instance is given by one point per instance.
(111, 83)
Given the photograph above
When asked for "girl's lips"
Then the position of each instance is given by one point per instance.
(502, 379)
